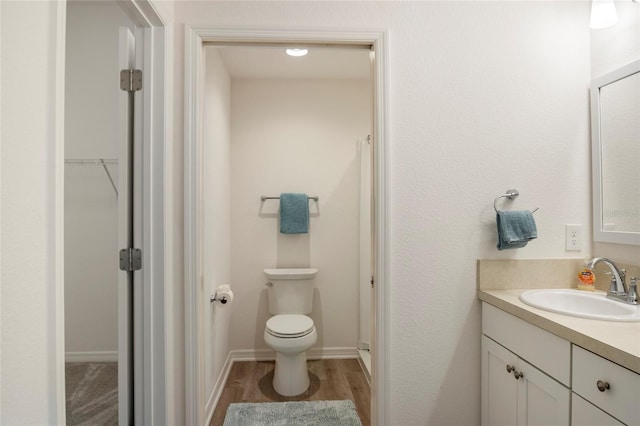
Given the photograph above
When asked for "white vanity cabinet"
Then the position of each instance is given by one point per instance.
(533, 377)
(608, 386)
(519, 392)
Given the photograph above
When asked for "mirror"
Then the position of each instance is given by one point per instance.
(615, 134)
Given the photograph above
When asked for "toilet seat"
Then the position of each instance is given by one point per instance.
(289, 326)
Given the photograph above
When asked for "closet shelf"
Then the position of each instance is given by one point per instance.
(99, 162)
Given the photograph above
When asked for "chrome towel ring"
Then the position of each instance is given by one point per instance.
(510, 194)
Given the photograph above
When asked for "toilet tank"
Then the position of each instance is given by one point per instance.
(290, 291)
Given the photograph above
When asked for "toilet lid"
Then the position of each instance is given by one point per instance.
(289, 325)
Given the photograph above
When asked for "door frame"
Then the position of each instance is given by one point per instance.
(195, 38)
(152, 30)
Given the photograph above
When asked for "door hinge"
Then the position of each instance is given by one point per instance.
(130, 259)
(130, 80)
(372, 282)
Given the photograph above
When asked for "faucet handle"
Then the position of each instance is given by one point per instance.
(632, 296)
(613, 285)
(623, 274)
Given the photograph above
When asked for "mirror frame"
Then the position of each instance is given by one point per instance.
(599, 234)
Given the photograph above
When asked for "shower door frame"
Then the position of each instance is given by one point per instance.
(195, 39)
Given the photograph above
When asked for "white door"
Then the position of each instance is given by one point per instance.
(130, 370)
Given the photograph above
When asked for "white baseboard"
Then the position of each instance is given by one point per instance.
(265, 355)
(97, 356)
(332, 353)
(313, 353)
(364, 359)
(216, 392)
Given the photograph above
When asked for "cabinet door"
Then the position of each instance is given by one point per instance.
(584, 413)
(541, 400)
(499, 402)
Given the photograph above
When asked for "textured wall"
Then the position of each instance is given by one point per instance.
(483, 96)
(28, 385)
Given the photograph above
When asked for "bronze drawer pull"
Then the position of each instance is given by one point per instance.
(603, 386)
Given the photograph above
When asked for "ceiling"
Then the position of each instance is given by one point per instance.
(271, 62)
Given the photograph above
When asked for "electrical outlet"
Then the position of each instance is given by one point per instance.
(573, 238)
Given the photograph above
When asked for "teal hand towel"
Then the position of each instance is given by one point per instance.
(515, 229)
(294, 213)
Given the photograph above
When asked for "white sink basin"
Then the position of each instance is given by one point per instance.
(581, 304)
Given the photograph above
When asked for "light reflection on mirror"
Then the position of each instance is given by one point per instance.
(620, 148)
(615, 148)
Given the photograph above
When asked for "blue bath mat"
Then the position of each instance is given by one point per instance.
(294, 413)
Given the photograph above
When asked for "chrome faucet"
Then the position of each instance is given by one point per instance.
(618, 289)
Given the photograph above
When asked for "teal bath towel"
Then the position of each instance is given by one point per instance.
(515, 229)
(294, 213)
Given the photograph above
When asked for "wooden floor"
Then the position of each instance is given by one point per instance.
(331, 379)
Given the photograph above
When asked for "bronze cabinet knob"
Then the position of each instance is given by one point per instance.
(603, 386)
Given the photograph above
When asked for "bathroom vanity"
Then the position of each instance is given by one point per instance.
(540, 367)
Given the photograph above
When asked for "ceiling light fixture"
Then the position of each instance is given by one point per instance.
(297, 52)
(603, 14)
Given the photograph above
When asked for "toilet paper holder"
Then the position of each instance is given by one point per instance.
(222, 298)
(223, 294)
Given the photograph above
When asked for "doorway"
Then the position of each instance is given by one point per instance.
(97, 214)
(194, 202)
(114, 367)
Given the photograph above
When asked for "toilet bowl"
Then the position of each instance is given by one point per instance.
(291, 336)
(290, 332)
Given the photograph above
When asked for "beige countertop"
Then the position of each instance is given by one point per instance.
(616, 341)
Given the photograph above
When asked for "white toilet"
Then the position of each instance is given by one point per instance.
(290, 332)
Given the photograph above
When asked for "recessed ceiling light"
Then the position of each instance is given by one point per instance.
(297, 52)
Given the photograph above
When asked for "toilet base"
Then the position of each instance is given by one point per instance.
(291, 377)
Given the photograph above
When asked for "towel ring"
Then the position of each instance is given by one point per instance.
(510, 194)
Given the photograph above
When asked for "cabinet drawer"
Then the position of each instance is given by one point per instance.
(621, 399)
(584, 413)
(540, 348)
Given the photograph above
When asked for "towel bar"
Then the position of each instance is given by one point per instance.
(263, 198)
(510, 194)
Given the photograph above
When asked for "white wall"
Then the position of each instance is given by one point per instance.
(30, 374)
(217, 219)
(91, 206)
(297, 136)
(612, 48)
(483, 96)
